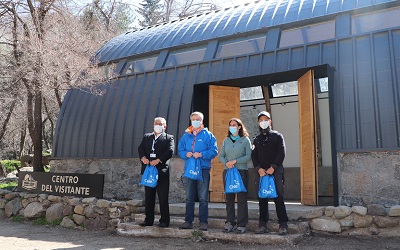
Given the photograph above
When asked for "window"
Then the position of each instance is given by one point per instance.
(376, 21)
(235, 48)
(185, 57)
(284, 89)
(137, 66)
(308, 34)
(251, 93)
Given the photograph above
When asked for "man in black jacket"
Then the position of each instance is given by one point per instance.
(156, 149)
(267, 156)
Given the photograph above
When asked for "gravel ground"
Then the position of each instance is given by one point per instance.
(18, 235)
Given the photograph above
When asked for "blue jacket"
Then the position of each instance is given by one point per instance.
(204, 143)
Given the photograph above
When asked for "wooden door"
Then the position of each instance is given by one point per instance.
(308, 139)
(224, 104)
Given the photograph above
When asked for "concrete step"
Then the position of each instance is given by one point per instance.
(133, 229)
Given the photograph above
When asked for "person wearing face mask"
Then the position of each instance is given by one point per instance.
(156, 149)
(236, 152)
(267, 156)
(201, 144)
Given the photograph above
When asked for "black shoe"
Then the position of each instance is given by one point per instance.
(163, 225)
(145, 224)
(282, 231)
(186, 225)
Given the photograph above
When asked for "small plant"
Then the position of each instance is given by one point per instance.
(197, 235)
(17, 218)
(56, 222)
(8, 185)
(10, 165)
(40, 221)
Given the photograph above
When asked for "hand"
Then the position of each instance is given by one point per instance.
(262, 172)
(154, 162)
(197, 155)
(270, 171)
(189, 154)
(230, 164)
(145, 160)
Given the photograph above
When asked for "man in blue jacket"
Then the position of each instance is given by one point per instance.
(201, 144)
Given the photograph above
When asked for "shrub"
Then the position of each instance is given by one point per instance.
(8, 185)
(9, 165)
(17, 218)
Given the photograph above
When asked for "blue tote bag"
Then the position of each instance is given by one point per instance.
(233, 182)
(267, 187)
(149, 177)
(193, 169)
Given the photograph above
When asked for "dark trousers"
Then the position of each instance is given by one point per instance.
(162, 190)
(279, 204)
(242, 208)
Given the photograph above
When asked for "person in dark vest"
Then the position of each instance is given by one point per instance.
(267, 156)
(156, 149)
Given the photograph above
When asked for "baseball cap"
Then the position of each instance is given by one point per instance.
(264, 113)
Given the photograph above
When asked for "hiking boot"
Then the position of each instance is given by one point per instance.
(203, 226)
(186, 225)
(240, 230)
(228, 227)
(261, 230)
(145, 224)
(282, 231)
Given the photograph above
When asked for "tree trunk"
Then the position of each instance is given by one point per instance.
(4, 126)
(22, 140)
(37, 134)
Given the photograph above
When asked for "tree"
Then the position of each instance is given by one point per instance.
(151, 12)
(48, 51)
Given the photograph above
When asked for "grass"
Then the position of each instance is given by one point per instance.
(42, 221)
(17, 218)
(8, 185)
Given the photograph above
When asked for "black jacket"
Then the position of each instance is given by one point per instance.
(164, 148)
(269, 150)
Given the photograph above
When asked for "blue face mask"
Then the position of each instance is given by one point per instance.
(233, 130)
(196, 124)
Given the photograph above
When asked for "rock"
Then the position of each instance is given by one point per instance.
(118, 204)
(394, 211)
(3, 203)
(384, 222)
(2, 214)
(34, 210)
(89, 212)
(362, 221)
(135, 203)
(376, 209)
(54, 198)
(24, 202)
(346, 223)
(103, 203)
(54, 212)
(68, 209)
(326, 225)
(67, 222)
(79, 219)
(79, 209)
(46, 203)
(329, 211)
(91, 200)
(11, 196)
(98, 210)
(316, 213)
(342, 212)
(359, 210)
(74, 201)
(43, 196)
(8, 209)
(96, 224)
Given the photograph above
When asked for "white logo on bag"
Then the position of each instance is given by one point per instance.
(236, 185)
(267, 191)
(193, 172)
(151, 179)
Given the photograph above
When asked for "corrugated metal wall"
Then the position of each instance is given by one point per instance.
(366, 96)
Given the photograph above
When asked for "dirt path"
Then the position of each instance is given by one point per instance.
(15, 235)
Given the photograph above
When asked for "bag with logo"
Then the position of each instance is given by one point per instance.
(193, 169)
(233, 182)
(149, 177)
(267, 187)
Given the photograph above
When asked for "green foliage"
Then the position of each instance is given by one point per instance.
(150, 10)
(40, 221)
(8, 185)
(56, 222)
(10, 165)
(17, 218)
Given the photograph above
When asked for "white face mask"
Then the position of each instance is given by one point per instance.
(264, 124)
(158, 129)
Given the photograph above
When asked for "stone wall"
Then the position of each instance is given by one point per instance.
(369, 178)
(121, 176)
(96, 214)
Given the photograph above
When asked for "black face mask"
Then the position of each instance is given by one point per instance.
(264, 131)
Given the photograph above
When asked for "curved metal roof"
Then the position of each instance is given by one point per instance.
(238, 19)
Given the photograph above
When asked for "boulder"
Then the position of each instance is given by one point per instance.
(54, 212)
(326, 225)
(34, 210)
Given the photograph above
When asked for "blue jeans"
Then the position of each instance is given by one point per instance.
(201, 188)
